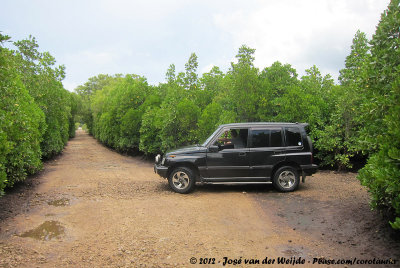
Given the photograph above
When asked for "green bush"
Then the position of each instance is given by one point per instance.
(381, 176)
(117, 112)
(43, 81)
(381, 115)
(21, 126)
(150, 140)
(209, 120)
(35, 116)
(129, 130)
(85, 128)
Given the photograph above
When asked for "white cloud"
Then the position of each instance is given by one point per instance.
(291, 31)
(207, 68)
(145, 37)
(70, 86)
(87, 63)
(98, 58)
(150, 10)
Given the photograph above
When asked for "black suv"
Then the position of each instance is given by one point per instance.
(276, 153)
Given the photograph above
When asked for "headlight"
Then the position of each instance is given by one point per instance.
(162, 161)
(158, 158)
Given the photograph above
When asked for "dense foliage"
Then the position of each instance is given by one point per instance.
(37, 113)
(381, 114)
(358, 118)
(127, 114)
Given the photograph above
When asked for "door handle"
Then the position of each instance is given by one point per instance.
(242, 154)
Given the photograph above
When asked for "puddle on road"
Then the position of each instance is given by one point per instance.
(46, 231)
(59, 202)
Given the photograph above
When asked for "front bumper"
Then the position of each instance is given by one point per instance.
(161, 170)
(309, 169)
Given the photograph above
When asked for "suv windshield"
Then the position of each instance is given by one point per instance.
(210, 137)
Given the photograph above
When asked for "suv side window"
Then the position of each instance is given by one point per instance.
(234, 138)
(266, 138)
(293, 136)
(260, 138)
(276, 138)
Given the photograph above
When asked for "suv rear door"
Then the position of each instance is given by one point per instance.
(266, 150)
(294, 141)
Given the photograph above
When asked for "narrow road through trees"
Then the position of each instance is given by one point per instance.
(92, 207)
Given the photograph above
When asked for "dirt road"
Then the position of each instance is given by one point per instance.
(92, 207)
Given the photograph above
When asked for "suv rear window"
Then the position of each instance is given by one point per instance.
(266, 138)
(293, 136)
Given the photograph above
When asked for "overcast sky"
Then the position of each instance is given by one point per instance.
(91, 37)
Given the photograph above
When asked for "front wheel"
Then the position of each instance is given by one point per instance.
(286, 179)
(182, 180)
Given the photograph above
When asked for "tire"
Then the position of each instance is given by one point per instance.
(286, 179)
(182, 180)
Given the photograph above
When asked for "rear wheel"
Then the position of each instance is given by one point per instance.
(286, 179)
(182, 180)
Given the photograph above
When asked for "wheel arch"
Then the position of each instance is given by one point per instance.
(286, 163)
(184, 164)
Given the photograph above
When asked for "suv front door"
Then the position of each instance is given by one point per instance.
(230, 162)
(266, 150)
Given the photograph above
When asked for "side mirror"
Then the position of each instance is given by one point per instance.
(213, 149)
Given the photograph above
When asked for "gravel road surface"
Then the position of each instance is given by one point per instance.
(92, 207)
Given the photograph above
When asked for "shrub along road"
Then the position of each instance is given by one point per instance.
(92, 207)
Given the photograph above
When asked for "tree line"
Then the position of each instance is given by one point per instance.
(357, 118)
(37, 113)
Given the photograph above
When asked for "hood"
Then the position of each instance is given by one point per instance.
(188, 149)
